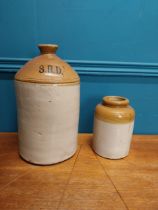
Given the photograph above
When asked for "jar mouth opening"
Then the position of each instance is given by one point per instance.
(115, 101)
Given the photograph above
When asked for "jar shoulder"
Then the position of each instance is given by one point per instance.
(115, 114)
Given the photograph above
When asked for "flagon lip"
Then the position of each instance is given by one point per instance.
(47, 48)
(115, 101)
(47, 45)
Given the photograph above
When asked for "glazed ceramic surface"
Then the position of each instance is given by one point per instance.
(48, 109)
(47, 68)
(113, 127)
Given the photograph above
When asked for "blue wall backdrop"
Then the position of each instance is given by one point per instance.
(113, 45)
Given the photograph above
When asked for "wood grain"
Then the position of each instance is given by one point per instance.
(84, 182)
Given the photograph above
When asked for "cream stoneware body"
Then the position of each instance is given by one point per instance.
(48, 93)
(113, 127)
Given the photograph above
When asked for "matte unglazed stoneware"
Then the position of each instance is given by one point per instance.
(47, 92)
(113, 127)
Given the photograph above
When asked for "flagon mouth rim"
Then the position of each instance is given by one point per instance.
(48, 48)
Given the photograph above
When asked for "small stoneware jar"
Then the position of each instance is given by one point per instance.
(48, 92)
(113, 127)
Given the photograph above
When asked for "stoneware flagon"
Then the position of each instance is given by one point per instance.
(47, 92)
(113, 127)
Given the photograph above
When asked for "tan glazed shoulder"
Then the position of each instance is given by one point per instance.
(115, 109)
(47, 68)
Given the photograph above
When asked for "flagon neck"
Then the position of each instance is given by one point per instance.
(48, 48)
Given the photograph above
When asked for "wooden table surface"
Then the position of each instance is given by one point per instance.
(84, 182)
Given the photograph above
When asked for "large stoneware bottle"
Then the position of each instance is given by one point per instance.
(47, 91)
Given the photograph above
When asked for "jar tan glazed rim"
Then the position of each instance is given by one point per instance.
(115, 109)
(115, 101)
